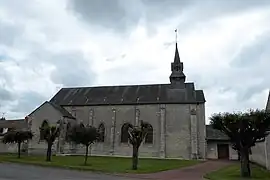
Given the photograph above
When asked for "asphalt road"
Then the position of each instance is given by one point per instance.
(9, 171)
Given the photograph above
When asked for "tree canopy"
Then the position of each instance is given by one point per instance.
(49, 133)
(136, 136)
(85, 135)
(244, 131)
(17, 136)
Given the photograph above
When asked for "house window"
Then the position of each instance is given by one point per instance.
(101, 130)
(149, 136)
(124, 133)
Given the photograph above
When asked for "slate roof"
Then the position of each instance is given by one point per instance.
(17, 124)
(62, 110)
(129, 94)
(213, 134)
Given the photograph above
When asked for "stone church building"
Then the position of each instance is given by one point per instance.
(175, 111)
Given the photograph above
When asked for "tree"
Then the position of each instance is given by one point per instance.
(49, 133)
(85, 135)
(244, 131)
(17, 137)
(136, 135)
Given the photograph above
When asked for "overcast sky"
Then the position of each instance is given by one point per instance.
(46, 45)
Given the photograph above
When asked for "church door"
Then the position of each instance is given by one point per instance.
(223, 151)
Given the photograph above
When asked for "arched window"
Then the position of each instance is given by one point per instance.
(44, 124)
(149, 136)
(124, 132)
(68, 130)
(101, 130)
(73, 111)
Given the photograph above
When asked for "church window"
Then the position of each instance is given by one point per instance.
(124, 133)
(68, 130)
(149, 136)
(44, 124)
(73, 112)
(101, 130)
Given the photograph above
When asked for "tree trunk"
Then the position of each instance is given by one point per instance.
(49, 151)
(86, 155)
(245, 167)
(135, 158)
(19, 150)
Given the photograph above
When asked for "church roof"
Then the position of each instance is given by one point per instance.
(215, 135)
(60, 109)
(129, 94)
(17, 124)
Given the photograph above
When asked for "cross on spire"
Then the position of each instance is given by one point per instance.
(175, 35)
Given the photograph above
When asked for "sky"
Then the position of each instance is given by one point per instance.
(47, 45)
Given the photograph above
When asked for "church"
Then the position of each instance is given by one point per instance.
(174, 111)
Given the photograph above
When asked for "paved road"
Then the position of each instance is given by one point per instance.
(195, 172)
(9, 171)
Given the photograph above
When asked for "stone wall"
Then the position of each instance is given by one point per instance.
(49, 113)
(172, 125)
(212, 151)
(178, 130)
(261, 153)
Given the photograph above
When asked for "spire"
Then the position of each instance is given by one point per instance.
(176, 55)
(177, 76)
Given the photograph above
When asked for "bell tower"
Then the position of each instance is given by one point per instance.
(177, 76)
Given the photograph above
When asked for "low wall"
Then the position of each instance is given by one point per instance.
(261, 153)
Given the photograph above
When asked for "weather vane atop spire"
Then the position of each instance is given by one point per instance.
(175, 35)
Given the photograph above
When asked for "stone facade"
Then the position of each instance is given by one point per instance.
(44, 112)
(173, 137)
(176, 112)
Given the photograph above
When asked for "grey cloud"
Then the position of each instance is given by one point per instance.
(71, 67)
(252, 54)
(28, 101)
(115, 58)
(5, 95)
(252, 63)
(8, 33)
(5, 79)
(122, 16)
(72, 70)
(111, 14)
(248, 74)
(248, 93)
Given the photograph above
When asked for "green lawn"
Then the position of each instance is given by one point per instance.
(102, 164)
(232, 172)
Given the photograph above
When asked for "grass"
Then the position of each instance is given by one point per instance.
(232, 172)
(101, 164)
